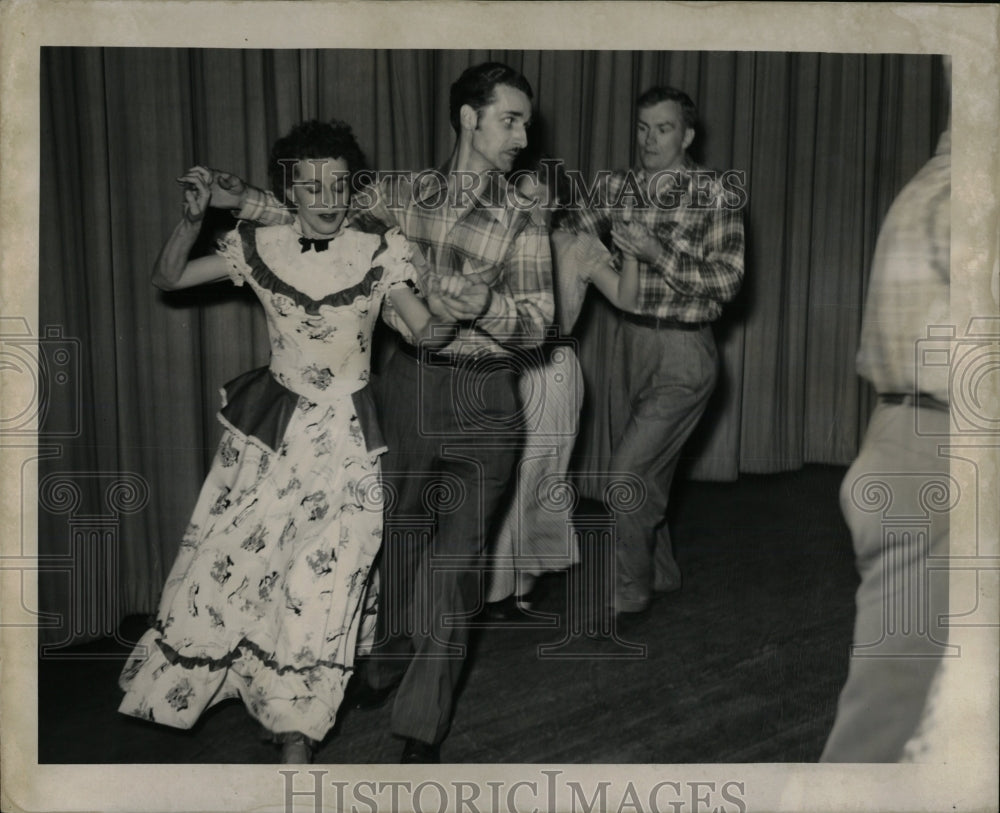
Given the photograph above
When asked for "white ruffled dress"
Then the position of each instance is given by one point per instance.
(267, 596)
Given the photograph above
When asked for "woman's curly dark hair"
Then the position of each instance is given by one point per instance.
(549, 171)
(314, 139)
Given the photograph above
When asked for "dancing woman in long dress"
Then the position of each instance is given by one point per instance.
(266, 597)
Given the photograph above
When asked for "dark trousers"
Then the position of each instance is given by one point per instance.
(454, 438)
(667, 376)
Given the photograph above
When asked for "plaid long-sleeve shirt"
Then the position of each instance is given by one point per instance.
(489, 236)
(697, 218)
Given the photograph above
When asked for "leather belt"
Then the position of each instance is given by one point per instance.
(435, 359)
(920, 399)
(657, 323)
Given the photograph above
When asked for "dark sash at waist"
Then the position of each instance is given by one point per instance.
(259, 406)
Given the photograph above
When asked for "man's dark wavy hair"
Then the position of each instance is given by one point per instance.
(477, 85)
(314, 139)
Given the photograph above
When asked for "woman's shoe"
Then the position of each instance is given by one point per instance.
(296, 749)
(510, 610)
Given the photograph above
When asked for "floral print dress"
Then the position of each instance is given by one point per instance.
(267, 595)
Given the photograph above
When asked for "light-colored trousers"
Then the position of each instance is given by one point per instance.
(895, 500)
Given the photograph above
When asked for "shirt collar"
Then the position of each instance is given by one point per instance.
(684, 171)
(494, 197)
(683, 179)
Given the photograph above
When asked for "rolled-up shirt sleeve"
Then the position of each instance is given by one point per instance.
(263, 207)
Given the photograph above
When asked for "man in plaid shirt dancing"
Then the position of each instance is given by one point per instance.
(684, 225)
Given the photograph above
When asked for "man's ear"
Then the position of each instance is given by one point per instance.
(688, 136)
(468, 117)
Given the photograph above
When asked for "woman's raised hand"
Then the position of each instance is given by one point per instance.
(197, 184)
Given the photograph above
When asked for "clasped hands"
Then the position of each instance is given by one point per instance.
(636, 240)
(204, 186)
(456, 297)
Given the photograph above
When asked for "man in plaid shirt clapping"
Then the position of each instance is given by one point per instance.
(684, 225)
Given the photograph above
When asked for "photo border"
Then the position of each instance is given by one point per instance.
(968, 33)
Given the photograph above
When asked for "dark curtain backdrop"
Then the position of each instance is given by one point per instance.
(825, 140)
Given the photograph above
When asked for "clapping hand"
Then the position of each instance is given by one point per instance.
(636, 240)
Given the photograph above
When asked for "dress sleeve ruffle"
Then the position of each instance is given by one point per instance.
(230, 248)
(398, 257)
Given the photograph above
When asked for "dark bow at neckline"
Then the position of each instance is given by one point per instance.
(314, 243)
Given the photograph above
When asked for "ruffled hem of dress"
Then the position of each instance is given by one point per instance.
(175, 658)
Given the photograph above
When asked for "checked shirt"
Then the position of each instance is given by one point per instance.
(697, 219)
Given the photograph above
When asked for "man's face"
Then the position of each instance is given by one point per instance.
(661, 137)
(501, 132)
(321, 192)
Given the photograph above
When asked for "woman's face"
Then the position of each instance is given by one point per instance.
(321, 192)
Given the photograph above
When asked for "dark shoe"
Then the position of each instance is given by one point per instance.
(630, 605)
(667, 579)
(513, 609)
(361, 695)
(665, 586)
(420, 752)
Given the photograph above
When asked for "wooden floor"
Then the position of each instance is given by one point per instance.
(744, 664)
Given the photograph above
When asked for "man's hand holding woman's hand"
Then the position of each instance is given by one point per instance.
(226, 190)
(197, 183)
(458, 297)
